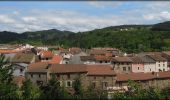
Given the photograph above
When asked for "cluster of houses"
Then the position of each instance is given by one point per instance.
(103, 68)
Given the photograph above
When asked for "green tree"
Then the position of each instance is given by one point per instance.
(77, 85)
(30, 91)
(54, 90)
(8, 90)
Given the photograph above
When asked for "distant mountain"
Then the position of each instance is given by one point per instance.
(130, 38)
(164, 26)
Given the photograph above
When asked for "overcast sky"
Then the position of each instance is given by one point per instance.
(79, 16)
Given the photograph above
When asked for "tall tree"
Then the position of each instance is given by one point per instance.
(54, 90)
(77, 85)
(7, 89)
(30, 91)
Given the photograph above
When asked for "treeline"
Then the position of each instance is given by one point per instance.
(129, 38)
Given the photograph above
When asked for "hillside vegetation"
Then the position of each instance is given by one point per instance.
(129, 38)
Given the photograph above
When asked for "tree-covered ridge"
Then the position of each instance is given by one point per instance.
(129, 38)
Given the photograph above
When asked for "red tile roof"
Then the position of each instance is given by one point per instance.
(8, 51)
(102, 58)
(100, 70)
(68, 68)
(38, 67)
(135, 76)
(46, 54)
(56, 59)
(121, 59)
(143, 76)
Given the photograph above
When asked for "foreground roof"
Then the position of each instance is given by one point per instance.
(142, 76)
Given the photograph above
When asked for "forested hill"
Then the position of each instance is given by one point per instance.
(130, 38)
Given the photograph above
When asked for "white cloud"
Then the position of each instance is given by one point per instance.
(103, 4)
(38, 19)
(163, 16)
(6, 19)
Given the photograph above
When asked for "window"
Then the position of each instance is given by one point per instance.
(68, 83)
(159, 65)
(60, 82)
(39, 75)
(124, 68)
(105, 61)
(94, 77)
(31, 75)
(100, 61)
(129, 68)
(39, 83)
(68, 76)
(138, 68)
(58, 76)
(94, 84)
(21, 70)
(104, 77)
(163, 65)
(104, 84)
(150, 69)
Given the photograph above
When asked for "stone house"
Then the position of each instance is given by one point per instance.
(122, 64)
(99, 76)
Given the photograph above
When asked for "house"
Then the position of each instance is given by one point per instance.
(21, 61)
(137, 64)
(122, 64)
(99, 76)
(161, 63)
(45, 55)
(154, 63)
(102, 60)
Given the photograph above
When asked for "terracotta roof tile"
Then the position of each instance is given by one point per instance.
(103, 58)
(68, 68)
(121, 59)
(143, 76)
(46, 54)
(8, 51)
(38, 67)
(135, 76)
(100, 70)
(56, 59)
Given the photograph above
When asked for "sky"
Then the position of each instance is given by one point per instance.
(21, 16)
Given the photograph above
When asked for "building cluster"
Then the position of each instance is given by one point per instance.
(103, 68)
